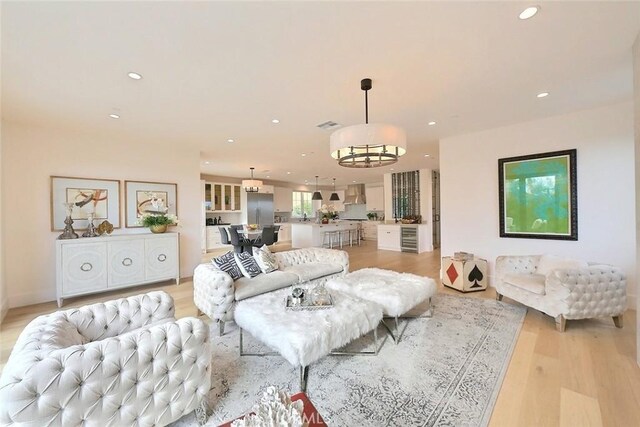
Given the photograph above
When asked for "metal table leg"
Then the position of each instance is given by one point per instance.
(304, 376)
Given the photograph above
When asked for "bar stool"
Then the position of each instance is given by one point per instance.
(351, 232)
(334, 236)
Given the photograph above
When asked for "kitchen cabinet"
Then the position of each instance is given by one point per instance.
(282, 199)
(214, 240)
(370, 230)
(389, 237)
(375, 198)
(266, 189)
(284, 234)
(88, 266)
(222, 197)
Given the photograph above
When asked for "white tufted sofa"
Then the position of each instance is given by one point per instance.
(120, 363)
(594, 291)
(214, 292)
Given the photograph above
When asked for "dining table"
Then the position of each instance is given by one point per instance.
(251, 234)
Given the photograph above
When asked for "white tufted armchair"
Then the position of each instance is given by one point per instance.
(594, 290)
(120, 363)
(214, 292)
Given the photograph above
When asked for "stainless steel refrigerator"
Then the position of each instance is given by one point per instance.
(260, 209)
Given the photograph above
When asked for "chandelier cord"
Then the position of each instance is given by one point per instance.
(366, 106)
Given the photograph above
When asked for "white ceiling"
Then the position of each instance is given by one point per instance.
(214, 71)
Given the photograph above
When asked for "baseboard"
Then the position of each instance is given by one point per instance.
(30, 298)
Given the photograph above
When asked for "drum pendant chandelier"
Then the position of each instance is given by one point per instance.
(251, 185)
(368, 145)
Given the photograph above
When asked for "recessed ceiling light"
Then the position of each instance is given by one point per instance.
(303, 154)
(230, 140)
(431, 123)
(542, 94)
(288, 173)
(392, 169)
(135, 76)
(427, 155)
(529, 12)
(206, 163)
(268, 176)
(353, 181)
(114, 116)
(275, 121)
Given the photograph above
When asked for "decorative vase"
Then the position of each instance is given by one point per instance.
(158, 228)
(325, 220)
(69, 232)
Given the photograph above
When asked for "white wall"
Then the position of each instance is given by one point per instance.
(31, 155)
(603, 138)
(636, 86)
(4, 300)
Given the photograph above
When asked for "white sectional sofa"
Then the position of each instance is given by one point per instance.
(119, 363)
(215, 293)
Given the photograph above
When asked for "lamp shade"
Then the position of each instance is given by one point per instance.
(368, 145)
(334, 196)
(316, 196)
(251, 185)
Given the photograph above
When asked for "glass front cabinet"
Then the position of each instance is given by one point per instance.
(220, 197)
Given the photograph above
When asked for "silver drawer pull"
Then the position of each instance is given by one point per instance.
(127, 262)
(86, 266)
(162, 257)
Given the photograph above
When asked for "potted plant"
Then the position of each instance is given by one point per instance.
(157, 222)
(373, 216)
(328, 212)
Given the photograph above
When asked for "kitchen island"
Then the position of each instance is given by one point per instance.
(310, 234)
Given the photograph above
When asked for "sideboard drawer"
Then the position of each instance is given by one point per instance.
(126, 262)
(161, 258)
(84, 268)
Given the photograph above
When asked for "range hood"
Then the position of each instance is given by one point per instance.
(355, 195)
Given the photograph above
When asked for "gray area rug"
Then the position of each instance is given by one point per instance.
(446, 371)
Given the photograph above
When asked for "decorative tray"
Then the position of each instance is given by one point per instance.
(306, 304)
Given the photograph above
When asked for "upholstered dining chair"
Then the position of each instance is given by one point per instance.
(224, 236)
(276, 231)
(240, 244)
(268, 236)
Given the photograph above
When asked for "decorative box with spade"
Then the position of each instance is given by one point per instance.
(465, 275)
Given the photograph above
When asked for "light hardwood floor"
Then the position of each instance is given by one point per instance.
(586, 376)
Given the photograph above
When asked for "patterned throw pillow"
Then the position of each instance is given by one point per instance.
(248, 265)
(227, 263)
(265, 259)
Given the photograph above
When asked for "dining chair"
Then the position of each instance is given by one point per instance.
(237, 227)
(224, 236)
(276, 230)
(240, 244)
(268, 236)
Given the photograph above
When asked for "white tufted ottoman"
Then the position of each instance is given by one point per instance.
(397, 293)
(303, 337)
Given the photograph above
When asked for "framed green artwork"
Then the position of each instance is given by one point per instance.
(539, 196)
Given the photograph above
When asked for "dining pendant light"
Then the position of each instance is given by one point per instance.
(316, 195)
(251, 185)
(334, 195)
(368, 145)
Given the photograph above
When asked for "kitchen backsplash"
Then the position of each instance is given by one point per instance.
(354, 212)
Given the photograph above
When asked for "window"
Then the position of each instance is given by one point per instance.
(302, 204)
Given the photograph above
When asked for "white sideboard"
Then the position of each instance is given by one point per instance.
(100, 264)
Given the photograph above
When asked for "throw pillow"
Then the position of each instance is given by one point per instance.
(227, 263)
(265, 259)
(248, 265)
(548, 263)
